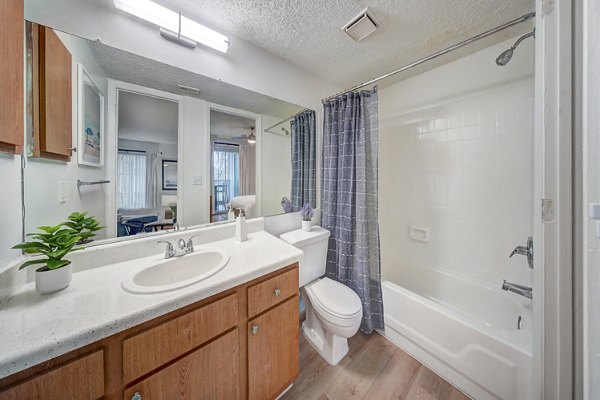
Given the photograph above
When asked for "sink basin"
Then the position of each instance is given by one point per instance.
(176, 273)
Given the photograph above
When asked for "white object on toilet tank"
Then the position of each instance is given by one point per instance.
(314, 245)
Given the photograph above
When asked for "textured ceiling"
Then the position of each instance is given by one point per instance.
(133, 68)
(229, 126)
(307, 33)
(147, 118)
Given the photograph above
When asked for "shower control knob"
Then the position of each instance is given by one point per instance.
(277, 292)
(254, 329)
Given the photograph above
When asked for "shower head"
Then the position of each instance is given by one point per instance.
(505, 57)
(507, 54)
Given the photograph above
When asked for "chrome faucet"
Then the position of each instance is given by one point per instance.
(525, 251)
(171, 252)
(521, 290)
(189, 248)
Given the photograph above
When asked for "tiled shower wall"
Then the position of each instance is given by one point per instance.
(461, 170)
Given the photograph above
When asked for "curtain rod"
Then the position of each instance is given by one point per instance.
(284, 120)
(499, 28)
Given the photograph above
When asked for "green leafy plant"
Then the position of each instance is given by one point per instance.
(54, 243)
(85, 227)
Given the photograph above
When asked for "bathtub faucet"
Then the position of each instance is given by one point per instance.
(524, 291)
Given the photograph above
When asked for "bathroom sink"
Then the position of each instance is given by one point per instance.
(176, 273)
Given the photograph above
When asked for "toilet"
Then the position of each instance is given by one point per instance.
(333, 310)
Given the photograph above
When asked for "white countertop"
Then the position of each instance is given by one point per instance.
(36, 328)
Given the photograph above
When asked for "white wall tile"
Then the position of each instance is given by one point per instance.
(468, 178)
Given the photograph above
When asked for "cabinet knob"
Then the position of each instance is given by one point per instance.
(254, 329)
(136, 396)
(277, 292)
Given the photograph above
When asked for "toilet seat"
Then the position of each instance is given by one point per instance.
(335, 302)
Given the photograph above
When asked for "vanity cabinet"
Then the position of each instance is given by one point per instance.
(81, 379)
(273, 351)
(11, 76)
(52, 95)
(239, 344)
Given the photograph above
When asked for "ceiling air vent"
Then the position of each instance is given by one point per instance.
(362, 25)
(188, 89)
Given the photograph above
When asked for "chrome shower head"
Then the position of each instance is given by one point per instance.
(506, 55)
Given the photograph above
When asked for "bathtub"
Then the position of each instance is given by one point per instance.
(477, 338)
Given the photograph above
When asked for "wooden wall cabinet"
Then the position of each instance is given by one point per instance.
(11, 76)
(207, 350)
(52, 97)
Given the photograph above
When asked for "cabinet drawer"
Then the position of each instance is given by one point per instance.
(159, 345)
(82, 379)
(271, 292)
(211, 372)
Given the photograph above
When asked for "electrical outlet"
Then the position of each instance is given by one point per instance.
(197, 180)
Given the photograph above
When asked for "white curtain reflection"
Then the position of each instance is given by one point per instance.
(131, 180)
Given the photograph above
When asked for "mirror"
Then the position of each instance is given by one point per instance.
(146, 147)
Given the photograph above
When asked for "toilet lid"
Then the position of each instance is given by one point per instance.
(336, 298)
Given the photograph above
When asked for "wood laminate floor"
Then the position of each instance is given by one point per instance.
(373, 369)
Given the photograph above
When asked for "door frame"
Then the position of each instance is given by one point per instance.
(258, 155)
(112, 133)
(552, 354)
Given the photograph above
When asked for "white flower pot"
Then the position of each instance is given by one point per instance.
(306, 225)
(52, 280)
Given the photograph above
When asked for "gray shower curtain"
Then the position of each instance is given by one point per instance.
(349, 199)
(304, 160)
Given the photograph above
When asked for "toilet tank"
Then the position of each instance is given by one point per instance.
(314, 245)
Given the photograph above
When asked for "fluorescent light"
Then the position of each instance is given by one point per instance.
(169, 19)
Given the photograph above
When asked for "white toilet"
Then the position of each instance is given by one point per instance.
(333, 310)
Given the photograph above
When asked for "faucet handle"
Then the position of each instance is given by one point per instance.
(170, 252)
(189, 248)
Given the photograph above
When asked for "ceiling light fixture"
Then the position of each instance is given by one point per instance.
(252, 137)
(173, 25)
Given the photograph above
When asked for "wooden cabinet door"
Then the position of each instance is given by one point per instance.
(11, 75)
(211, 372)
(53, 95)
(273, 351)
(82, 379)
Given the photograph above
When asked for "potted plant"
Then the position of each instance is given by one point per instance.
(53, 243)
(173, 207)
(307, 212)
(85, 227)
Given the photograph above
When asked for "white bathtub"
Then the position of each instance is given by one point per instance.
(466, 333)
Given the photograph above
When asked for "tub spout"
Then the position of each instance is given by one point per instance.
(521, 290)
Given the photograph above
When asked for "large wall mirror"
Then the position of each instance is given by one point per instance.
(146, 147)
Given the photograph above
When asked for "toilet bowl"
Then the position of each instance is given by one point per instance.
(333, 310)
(333, 314)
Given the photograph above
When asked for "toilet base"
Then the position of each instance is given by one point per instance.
(331, 347)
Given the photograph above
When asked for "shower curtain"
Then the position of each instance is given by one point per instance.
(304, 160)
(349, 199)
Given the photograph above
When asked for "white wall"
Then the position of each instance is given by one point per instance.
(42, 176)
(10, 204)
(194, 199)
(456, 157)
(276, 170)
